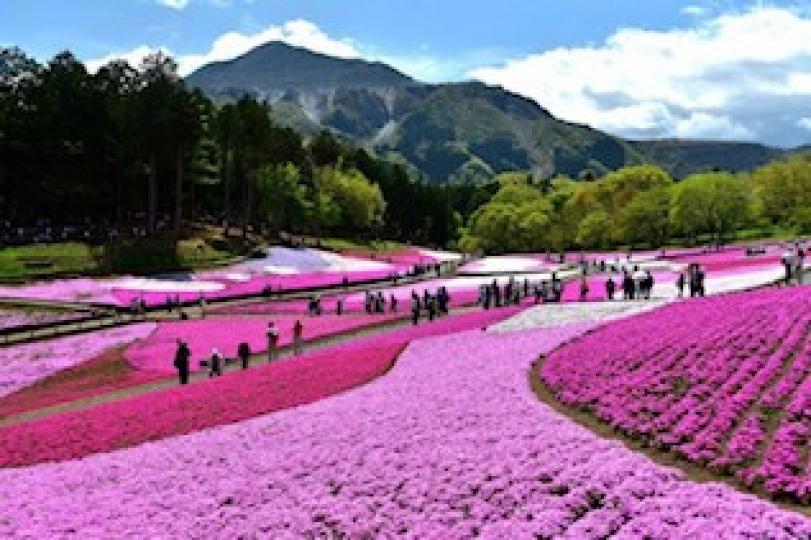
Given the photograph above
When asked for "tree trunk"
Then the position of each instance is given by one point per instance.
(152, 196)
(246, 212)
(178, 191)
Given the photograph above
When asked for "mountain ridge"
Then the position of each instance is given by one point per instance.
(449, 132)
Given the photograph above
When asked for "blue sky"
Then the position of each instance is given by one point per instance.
(639, 68)
(448, 29)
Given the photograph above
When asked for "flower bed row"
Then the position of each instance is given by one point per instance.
(156, 353)
(106, 372)
(18, 318)
(724, 382)
(235, 396)
(24, 365)
(450, 444)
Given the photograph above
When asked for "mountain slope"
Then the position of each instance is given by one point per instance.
(463, 132)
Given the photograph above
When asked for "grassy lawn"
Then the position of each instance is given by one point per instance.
(28, 263)
(341, 244)
(31, 262)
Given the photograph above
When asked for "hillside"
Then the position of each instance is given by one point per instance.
(460, 132)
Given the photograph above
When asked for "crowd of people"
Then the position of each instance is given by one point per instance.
(434, 305)
(216, 361)
(46, 231)
(513, 292)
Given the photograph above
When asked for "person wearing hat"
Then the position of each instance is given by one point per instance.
(215, 365)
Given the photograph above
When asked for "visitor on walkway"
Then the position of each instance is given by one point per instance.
(431, 307)
(799, 267)
(700, 277)
(628, 286)
(680, 284)
(415, 308)
(610, 288)
(273, 341)
(298, 338)
(182, 361)
(393, 303)
(788, 265)
(339, 306)
(584, 289)
(557, 288)
(648, 282)
(244, 354)
(544, 291)
(202, 307)
(215, 363)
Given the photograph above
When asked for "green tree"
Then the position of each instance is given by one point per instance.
(594, 230)
(710, 203)
(783, 188)
(282, 198)
(646, 219)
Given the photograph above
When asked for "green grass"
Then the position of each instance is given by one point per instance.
(28, 263)
(342, 244)
(42, 260)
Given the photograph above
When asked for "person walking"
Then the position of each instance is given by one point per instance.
(182, 361)
(273, 341)
(788, 264)
(244, 354)
(680, 284)
(700, 277)
(415, 308)
(298, 338)
(648, 284)
(584, 289)
(431, 307)
(610, 288)
(215, 363)
(799, 266)
(393, 303)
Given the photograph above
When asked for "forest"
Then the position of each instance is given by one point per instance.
(131, 151)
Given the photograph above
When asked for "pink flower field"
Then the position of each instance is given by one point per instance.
(231, 398)
(450, 444)
(24, 365)
(723, 382)
(156, 353)
(18, 318)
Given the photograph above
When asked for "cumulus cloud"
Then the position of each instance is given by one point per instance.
(744, 75)
(230, 45)
(804, 123)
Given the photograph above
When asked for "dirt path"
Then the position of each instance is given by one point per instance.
(284, 354)
(113, 317)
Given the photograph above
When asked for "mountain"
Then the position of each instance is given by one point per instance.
(274, 68)
(459, 132)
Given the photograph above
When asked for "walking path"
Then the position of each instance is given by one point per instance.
(117, 317)
(283, 354)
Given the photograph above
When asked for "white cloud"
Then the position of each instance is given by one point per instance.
(738, 75)
(174, 4)
(805, 123)
(133, 57)
(694, 10)
(230, 45)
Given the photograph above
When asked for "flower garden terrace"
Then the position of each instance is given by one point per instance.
(723, 383)
(450, 442)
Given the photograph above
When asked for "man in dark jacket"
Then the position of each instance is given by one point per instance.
(244, 353)
(610, 287)
(182, 361)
